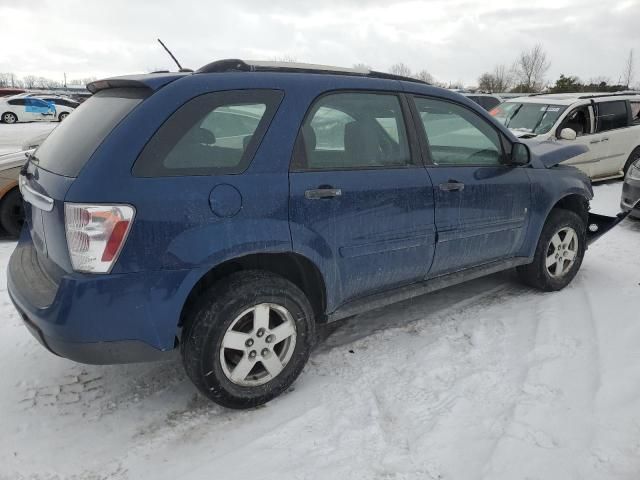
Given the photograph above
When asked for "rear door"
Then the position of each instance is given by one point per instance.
(615, 136)
(481, 204)
(361, 199)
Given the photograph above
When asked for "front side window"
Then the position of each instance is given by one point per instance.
(579, 120)
(458, 136)
(216, 133)
(354, 131)
(611, 115)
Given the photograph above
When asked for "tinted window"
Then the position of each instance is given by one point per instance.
(489, 102)
(611, 115)
(635, 113)
(69, 146)
(17, 101)
(216, 133)
(354, 130)
(458, 136)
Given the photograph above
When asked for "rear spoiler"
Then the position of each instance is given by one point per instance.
(152, 81)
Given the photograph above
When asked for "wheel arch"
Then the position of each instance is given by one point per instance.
(4, 190)
(296, 268)
(573, 202)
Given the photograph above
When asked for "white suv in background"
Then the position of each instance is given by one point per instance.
(607, 123)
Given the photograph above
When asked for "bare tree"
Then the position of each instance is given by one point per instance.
(425, 76)
(361, 66)
(487, 83)
(30, 81)
(285, 59)
(400, 69)
(628, 72)
(530, 68)
(503, 78)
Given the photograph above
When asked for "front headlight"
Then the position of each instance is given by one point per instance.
(634, 171)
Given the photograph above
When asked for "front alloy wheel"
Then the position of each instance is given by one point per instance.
(562, 252)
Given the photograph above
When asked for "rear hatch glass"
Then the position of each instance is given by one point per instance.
(72, 143)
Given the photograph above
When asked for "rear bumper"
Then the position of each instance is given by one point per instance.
(99, 319)
(97, 353)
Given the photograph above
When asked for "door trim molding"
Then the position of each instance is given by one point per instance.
(388, 297)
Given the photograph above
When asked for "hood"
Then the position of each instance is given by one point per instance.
(552, 153)
(523, 134)
(34, 142)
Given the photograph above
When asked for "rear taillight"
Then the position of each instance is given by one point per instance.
(96, 234)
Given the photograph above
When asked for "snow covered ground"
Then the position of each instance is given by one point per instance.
(487, 380)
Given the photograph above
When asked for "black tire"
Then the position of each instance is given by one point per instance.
(12, 213)
(62, 116)
(211, 317)
(9, 117)
(635, 155)
(537, 274)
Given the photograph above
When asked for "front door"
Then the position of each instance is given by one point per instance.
(481, 203)
(361, 202)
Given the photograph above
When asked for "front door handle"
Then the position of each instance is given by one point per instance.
(605, 139)
(320, 193)
(594, 141)
(452, 186)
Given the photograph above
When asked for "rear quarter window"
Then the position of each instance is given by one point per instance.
(217, 133)
(70, 145)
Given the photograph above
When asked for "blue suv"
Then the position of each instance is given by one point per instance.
(230, 211)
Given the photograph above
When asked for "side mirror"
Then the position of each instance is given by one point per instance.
(568, 134)
(520, 154)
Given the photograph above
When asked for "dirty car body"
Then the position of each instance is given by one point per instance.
(301, 195)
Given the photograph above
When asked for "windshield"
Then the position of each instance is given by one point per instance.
(533, 118)
(70, 145)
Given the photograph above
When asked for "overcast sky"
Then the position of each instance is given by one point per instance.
(455, 40)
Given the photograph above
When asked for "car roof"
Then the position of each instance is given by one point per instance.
(492, 95)
(157, 80)
(571, 98)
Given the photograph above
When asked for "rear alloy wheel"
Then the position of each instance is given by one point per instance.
(63, 115)
(12, 213)
(559, 252)
(9, 117)
(247, 339)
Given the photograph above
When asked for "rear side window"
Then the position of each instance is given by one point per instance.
(635, 113)
(611, 115)
(18, 101)
(354, 131)
(489, 102)
(217, 133)
(72, 143)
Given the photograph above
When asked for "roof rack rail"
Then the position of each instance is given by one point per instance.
(237, 65)
(611, 94)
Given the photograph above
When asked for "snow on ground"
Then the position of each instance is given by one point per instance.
(13, 136)
(487, 380)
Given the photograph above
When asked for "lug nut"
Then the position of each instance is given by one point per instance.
(249, 342)
(260, 332)
(264, 352)
(270, 338)
(252, 354)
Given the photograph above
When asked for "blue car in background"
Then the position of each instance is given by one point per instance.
(230, 211)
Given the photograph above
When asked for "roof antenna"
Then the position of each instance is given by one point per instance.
(174, 58)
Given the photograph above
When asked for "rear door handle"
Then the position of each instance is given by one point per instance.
(605, 139)
(452, 186)
(320, 193)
